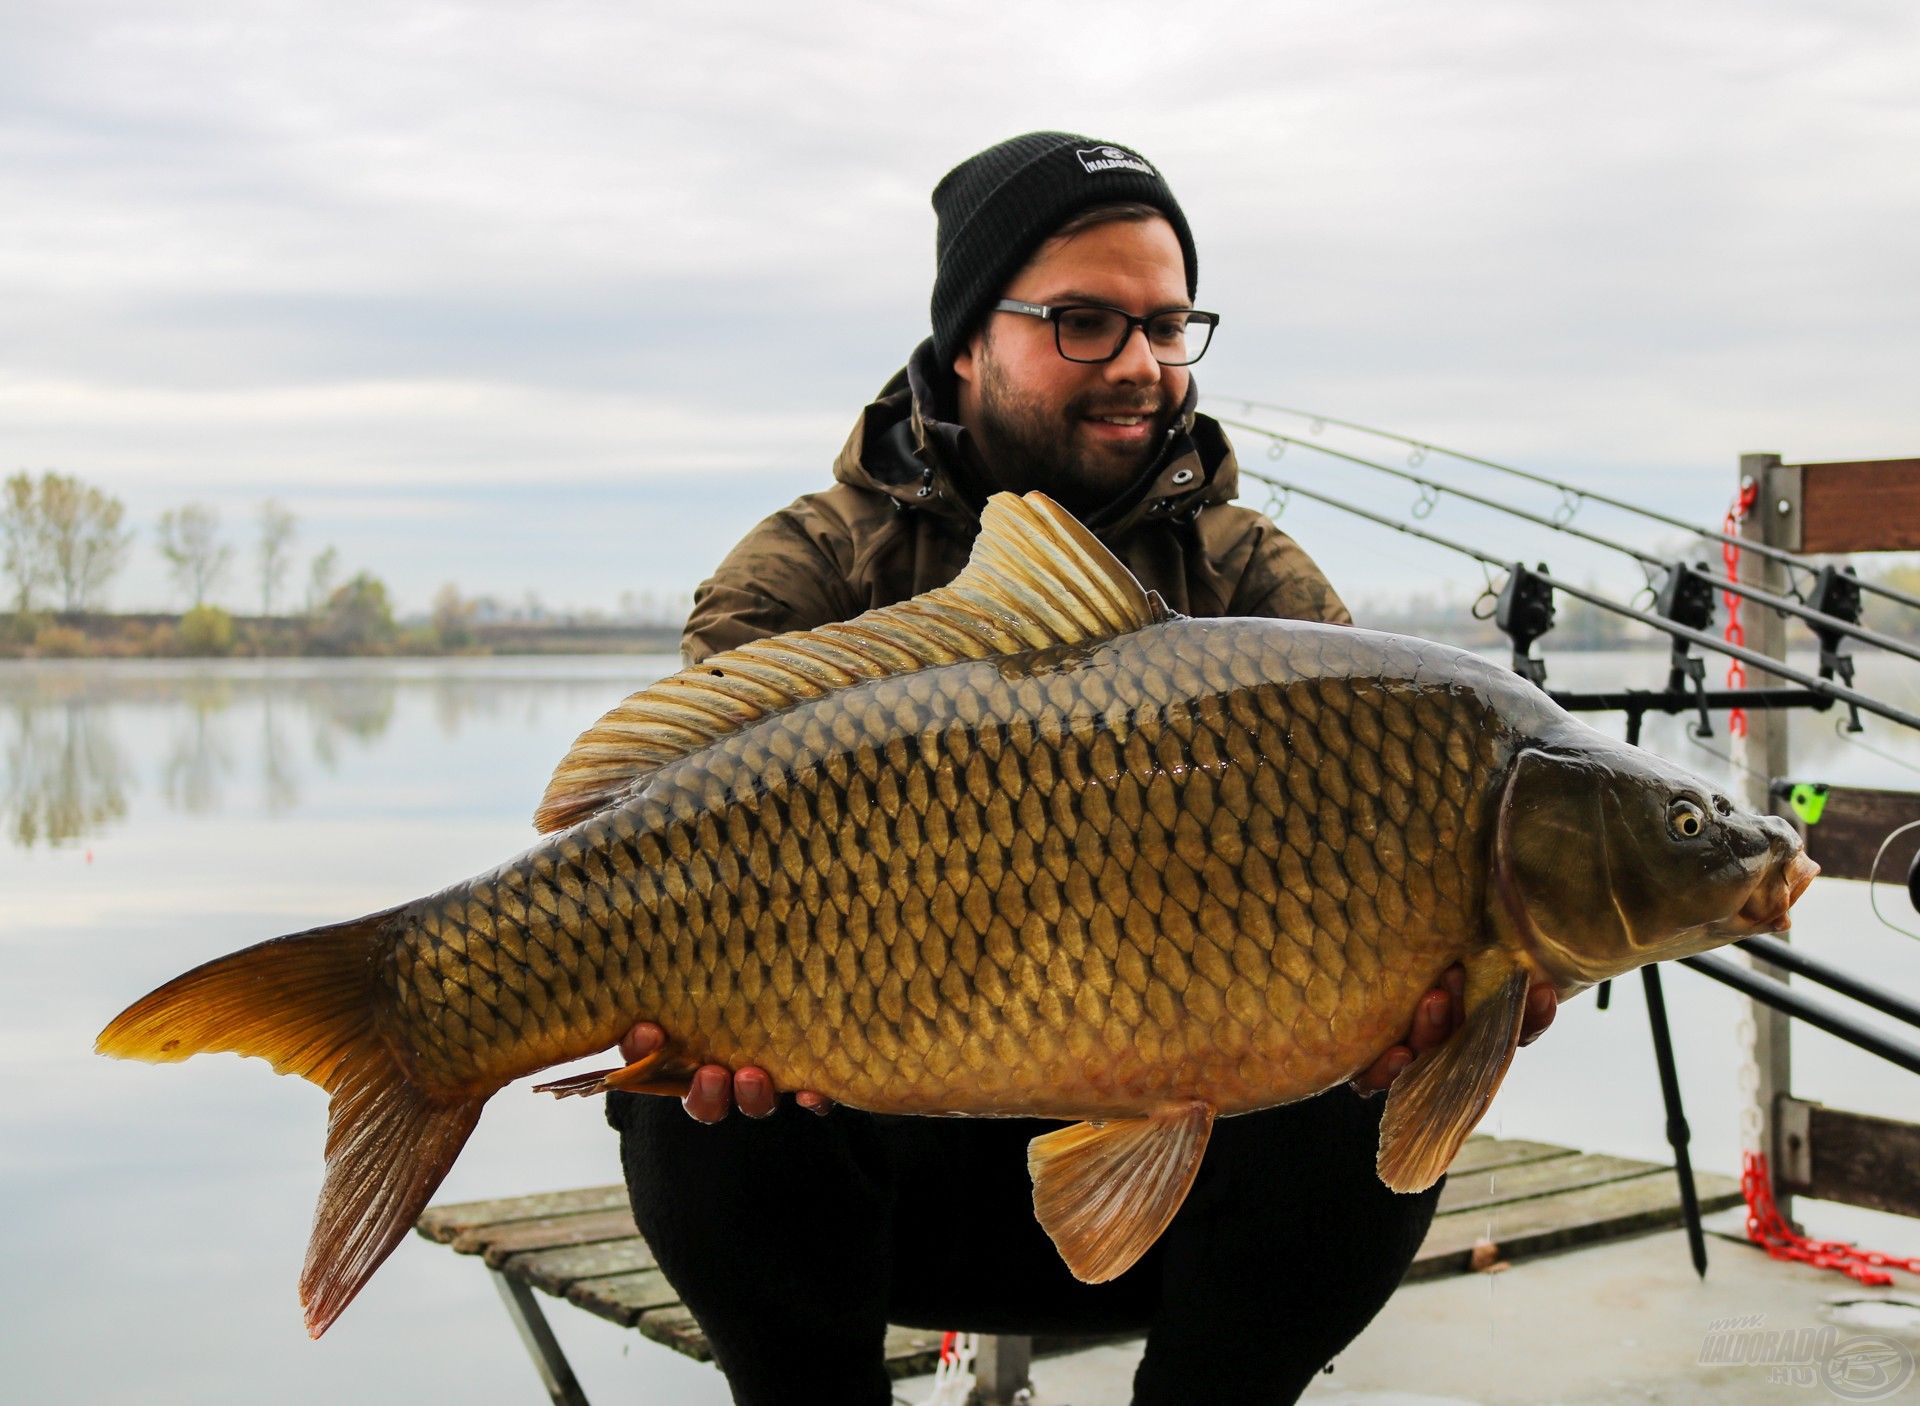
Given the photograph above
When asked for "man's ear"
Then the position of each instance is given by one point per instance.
(965, 359)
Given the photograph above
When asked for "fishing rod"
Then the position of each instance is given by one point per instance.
(1777, 667)
(1819, 619)
(1574, 495)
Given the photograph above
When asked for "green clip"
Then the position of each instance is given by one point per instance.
(1808, 801)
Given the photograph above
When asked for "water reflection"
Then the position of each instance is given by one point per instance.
(279, 782)
(198, 756)
(79, 738)
(65, 774)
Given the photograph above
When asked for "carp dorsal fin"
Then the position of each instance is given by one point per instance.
(1036, 579)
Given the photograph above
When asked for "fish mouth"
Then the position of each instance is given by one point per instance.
(1766, 908)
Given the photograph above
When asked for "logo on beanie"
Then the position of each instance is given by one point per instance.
(1112, 158)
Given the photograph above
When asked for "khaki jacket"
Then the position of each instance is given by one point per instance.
(904, 510)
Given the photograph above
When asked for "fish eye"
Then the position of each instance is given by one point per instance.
(1685, 820)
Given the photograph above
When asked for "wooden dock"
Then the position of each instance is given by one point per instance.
(1526, 1198)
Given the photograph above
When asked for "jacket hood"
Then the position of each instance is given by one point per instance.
(906, 447)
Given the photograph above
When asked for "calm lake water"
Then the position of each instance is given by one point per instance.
(156, 814)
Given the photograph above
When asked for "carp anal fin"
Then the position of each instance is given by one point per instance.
(1105, 1191)
(311, 1005)
(1440, 1098)
(650, 1074)
(1036, 579)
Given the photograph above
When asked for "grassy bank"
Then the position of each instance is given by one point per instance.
(210, 632)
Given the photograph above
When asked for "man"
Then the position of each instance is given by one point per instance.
(1063, 329)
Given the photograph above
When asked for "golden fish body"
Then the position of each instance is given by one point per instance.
(1219, 858)
(1023, 844)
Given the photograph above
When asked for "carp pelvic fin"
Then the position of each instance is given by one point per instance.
(1434, 1105)
(310, 1004)
(1105, 1191)
(1036, 579)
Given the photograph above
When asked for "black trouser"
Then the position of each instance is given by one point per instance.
(796, 1239)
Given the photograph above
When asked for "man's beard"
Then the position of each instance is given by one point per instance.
(1026, 444)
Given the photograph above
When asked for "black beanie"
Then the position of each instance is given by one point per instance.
(996, 208)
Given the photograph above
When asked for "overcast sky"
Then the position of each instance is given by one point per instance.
(563, 297)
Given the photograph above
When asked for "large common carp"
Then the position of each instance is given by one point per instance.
(1026, 844)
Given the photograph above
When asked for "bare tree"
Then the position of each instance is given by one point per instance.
(276, 533)
(85, 544)
(452, 618)
(22, 544)
(189, 538)
(320, 573)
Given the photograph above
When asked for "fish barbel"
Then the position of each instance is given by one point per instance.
(1027, 844)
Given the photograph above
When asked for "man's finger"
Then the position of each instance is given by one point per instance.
(1382, 1072)
(641, 1041)
(1543, 1003)
(813, 1102)
(753, 1092)
(711, 1097)
(1433, 1023)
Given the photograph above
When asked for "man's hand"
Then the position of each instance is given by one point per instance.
(716, 1089)
(1436, 1018)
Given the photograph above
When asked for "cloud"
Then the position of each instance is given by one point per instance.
(422, 245)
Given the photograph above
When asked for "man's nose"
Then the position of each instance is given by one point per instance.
(1135, 366)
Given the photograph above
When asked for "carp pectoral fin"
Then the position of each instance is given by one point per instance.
(1104, 1191)
(1434, 1105)
(649, 1075)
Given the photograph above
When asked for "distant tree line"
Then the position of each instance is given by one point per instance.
(63, 542)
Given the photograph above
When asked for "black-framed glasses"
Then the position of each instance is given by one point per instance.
(1088, 332)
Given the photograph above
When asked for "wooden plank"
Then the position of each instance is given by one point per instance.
(1544, 1224)
(1485, 1153)
(497, 1242)
(1540, 1178)
(1761, 753)
(675, 1328)
(1861, 1160)
(1534, 1197)
(444, 1223)
(1867, 506)
(624, 1298)
(1854, 823)
(556, 1270)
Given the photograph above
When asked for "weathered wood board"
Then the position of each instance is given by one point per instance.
(1869, 506)
(1854, 823)
(1530, 1198)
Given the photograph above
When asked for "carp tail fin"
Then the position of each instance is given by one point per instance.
(311, 1004)
(389, 1146)
(1434, 1105)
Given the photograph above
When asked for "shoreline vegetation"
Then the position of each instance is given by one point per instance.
(208, 632)
(62, 543)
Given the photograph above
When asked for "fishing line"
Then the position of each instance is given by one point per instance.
(1873, 894)
(1840, 731)
(1431, 490)
(1693, 736)
(1280, 499)
(1573, 497)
